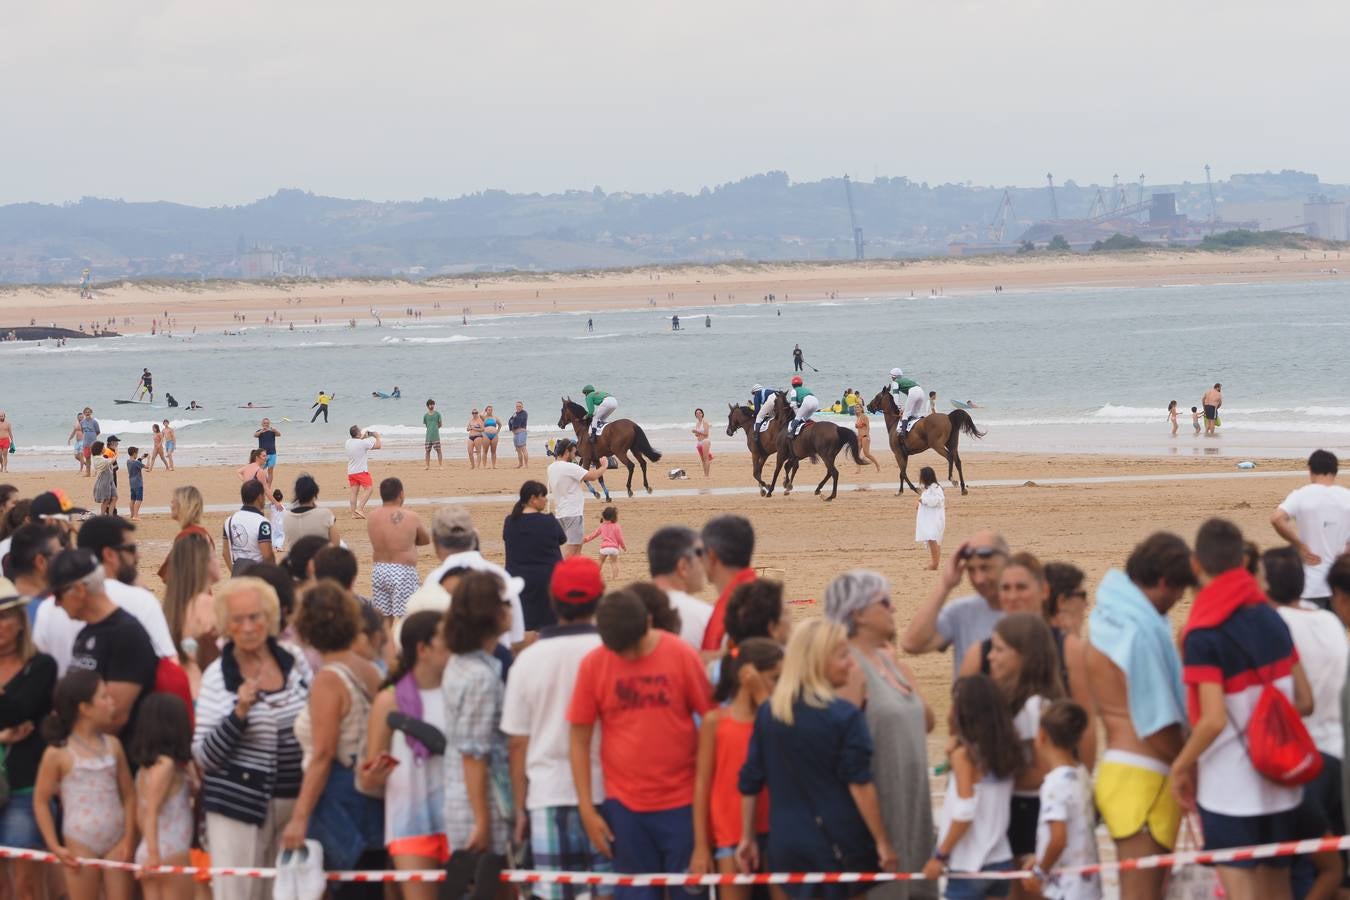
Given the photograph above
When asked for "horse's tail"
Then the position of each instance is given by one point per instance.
(962, 422)
(849, 438)
(643, 446)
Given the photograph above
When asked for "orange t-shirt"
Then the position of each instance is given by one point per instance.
(724, 808)
(716, 631)
(646, 709)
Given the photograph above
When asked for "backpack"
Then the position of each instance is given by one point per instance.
(1277, 741)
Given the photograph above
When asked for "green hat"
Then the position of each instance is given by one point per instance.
(588, 389)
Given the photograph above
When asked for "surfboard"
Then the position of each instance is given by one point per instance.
(136, 402)
(255, 406)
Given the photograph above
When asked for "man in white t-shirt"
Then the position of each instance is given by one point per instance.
(566, 494)
(675, 560)
(534, 716)
(54, 632)
(358, 467)
(1315, 520)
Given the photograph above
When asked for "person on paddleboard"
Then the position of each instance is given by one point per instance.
(599, 406)
(147, 386)
(762, 398)
(804, 405)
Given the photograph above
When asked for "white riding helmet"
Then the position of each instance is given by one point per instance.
(757, 387)
(896, 372)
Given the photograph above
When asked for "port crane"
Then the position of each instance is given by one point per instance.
(1001, 218)
(853, 220)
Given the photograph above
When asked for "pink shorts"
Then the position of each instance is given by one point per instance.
(360, 479)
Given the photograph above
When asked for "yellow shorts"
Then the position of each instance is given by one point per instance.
(1132, 797)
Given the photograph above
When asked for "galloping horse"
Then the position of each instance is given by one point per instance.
(821, 440)
(933, 432)
(762, 445)
(617, 439)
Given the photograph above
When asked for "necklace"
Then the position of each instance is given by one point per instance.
(96, 751)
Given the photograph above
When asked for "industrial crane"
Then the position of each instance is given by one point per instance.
(1213, 214)
(1000, 224)
(1054, 204)
(853, 220)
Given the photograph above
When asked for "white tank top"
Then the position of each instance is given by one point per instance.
(414, 795)
(986, 841)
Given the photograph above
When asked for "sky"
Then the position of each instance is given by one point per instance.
(216, 104)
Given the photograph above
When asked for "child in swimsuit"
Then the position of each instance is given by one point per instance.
(162, 747)
(88, 771)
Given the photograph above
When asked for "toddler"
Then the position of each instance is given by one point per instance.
(611, 540)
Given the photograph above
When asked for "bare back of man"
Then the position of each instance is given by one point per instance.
(395, 534)
(1127, 750)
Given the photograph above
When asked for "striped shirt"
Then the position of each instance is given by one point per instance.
(246, 763)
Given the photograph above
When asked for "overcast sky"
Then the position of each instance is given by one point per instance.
(222, 103)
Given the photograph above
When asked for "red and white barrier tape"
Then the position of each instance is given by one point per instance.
(530, 876)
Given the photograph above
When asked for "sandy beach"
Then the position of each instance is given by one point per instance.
(801, 539)
(213, 304)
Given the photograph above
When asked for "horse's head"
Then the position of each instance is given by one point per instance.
(874, 405)
(562, 416)
(737, 417)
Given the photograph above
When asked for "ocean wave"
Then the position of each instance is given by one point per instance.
(451, 339)
(127, 426)
(1112, 412)
(1245, 426)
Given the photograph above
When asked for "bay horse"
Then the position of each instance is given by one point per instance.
(816, 440)
(617, 439)
(761, 445)
(933, 432)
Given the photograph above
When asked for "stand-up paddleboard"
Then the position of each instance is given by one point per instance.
(135, 402)
(960, 405)
(255, 406)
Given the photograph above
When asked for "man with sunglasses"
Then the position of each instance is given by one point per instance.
(967, 620)
(675, 560)
(33, 547)
(109, 538)
(109, 641)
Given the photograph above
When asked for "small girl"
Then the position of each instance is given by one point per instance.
(930, 520)
(162, 748)
(105, 478)
(1195, 419)
(973, 826)
(88, 771)
(611, 540)
(1172, 416)
(277, 516)
(749, 673)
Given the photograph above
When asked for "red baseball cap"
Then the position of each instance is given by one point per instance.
(576, 580)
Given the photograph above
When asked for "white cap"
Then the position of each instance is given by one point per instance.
(757, 387)
(896, 372)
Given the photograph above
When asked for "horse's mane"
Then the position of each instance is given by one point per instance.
(576, 408)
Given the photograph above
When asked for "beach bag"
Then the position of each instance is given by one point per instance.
(1277, 742)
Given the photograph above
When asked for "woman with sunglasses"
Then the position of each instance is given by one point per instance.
(897, 717)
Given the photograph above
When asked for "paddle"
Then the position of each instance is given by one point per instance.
(811, 367)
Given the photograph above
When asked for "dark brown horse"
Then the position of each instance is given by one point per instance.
(617, 439)
(933, 432)
(817, 440)
(762, 445)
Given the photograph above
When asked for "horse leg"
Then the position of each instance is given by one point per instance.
(628, 463)
(642, 463)
(778, 467)
(961, 473)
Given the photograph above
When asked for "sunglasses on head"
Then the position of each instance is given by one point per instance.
(980, 552)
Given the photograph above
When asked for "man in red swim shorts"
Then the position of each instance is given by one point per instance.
(358, 467)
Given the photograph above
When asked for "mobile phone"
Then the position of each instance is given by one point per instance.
(388, 759)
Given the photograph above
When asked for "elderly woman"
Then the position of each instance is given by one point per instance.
(244, 740)
(332, 731)
(829, 820)
(26, 681)
(897, 718)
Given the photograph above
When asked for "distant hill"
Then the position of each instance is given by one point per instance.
(762, 217)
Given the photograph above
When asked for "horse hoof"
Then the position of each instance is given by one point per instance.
(964, 492)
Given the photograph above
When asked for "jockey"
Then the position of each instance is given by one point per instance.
(762, 398)
(804, 405)
(599, 406)
(900, 387)
(910, 399)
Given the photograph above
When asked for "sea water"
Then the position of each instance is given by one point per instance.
(1074, 370)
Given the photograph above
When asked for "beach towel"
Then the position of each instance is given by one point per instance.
(1128, 629)
(1215, 604)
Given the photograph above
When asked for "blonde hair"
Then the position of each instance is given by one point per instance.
(267, 595)
(189, 501)
(24, 643)
(803, 676)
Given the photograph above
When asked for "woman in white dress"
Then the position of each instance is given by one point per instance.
(931, 519)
